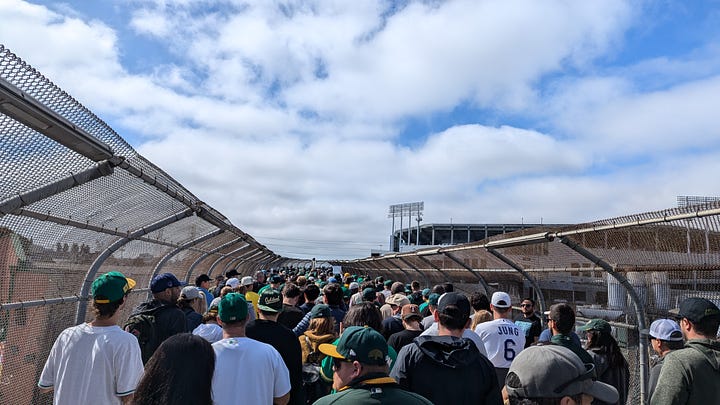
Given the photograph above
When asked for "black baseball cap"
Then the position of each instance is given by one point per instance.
(454, 304)
(697, 309)
(231, 273)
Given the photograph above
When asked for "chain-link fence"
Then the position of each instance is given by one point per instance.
(77, 201)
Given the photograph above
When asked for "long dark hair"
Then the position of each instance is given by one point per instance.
(180, 372)
(604, 343)
(364, 314)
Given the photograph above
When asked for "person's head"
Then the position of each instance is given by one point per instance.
(232, 311)
(500, 304)
(291, 294)
(699, 318)
(410, 315)
(260, 276)
(438, 289)
(360, 351)
(276, 280)
(415, 285)
(527, 306)
(187, 296)
(561, 318)
(108, 292)
(232, 273)
(387, 284)
(368, 294)
(202, 281)
(363, 314)
(397, 301)
(397, 288)
(553, 374)
(312, 292)
(333, 294)
(433, 301)
(232, 282)
(247, 282)
(225, 291)
(453, 311)
(479, 301)
(665, 335)
(448, 287)
(599, 337)
(180, 371)
(166, 287)
(219, 279)
(322, 321)
(301, 281)
(270, 304)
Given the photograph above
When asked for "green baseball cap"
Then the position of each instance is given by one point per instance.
(320, 311)
(596, 324)
(233, 308)
(111, 287)
(359, 343)
(270, 301)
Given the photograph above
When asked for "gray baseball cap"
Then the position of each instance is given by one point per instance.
(550, 371)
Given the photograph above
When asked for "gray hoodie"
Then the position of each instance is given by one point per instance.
(690, 375)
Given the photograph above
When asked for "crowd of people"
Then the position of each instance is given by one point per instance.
(315, 337)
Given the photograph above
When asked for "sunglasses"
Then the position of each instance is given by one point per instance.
(525, 305)
(337, 362)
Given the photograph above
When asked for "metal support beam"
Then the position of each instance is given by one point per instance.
(387, 259)
(90, 276)
(179, 249)
(211, 252)
(223, 257)
(637, 304)
(447, 277)
(480, 278)
(250, 250)
(25, 109)
(422, 275)
(255, 260)
(531, 279)
(7, 206)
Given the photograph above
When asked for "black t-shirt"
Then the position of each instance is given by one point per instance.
(531, 326)
(400, 339)
(288, 345)
(390, 326)
(290, 316)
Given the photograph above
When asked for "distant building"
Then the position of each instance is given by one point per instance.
(404, 240)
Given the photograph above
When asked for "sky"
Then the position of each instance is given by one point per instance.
(302, 121)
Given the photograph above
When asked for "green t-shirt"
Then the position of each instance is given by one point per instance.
(383, 390)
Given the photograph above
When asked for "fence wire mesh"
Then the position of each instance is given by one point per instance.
(49, 245)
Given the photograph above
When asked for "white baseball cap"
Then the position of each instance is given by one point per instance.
(247, 280)
(667, 330)
(232, 282)
(500, 299)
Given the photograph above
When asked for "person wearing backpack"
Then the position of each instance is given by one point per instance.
(321, 330)
(156, 320)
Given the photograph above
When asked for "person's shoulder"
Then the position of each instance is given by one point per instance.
(397, 394)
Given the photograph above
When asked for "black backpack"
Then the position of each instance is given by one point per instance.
(143, 326)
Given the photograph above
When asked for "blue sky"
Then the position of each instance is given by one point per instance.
(302, 121)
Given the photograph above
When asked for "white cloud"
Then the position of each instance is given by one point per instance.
(285, 116)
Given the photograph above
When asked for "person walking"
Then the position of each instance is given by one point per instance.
(502, 339)
(665, 336)
(78, 370)
(691, 375)
(360, 371)
(610, 364)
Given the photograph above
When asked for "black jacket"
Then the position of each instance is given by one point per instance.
(169, 319)
(447, 370)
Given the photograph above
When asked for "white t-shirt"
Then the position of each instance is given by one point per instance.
(467, 333)
(503, 341)
(92, 365)
(248, 372)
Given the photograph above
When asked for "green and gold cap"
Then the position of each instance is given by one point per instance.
(359, 343)
(111, 287)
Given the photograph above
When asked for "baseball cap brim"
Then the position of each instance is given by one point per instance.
(603, 392)
(131, 283)
(268, 309)
(330, 350)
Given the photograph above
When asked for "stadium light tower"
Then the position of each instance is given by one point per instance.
(400, 211)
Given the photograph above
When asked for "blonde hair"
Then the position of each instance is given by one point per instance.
(225, 291)
(480, 317)
(199, 304)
